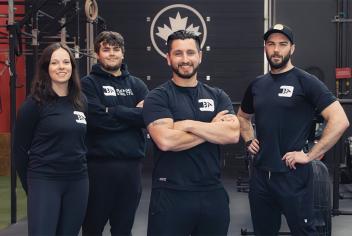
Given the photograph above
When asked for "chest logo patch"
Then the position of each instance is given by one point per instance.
(124, 92)
(80, 117)
(206, 105)
(109, 91)
(286, 91)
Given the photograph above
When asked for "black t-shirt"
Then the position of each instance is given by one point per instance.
(49, 141)
(284, 106)
(197, 168)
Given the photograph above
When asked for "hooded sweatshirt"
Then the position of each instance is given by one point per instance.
(114, 123)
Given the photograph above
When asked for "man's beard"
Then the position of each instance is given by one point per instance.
(184, 76)
(283, 63)
(109, 68)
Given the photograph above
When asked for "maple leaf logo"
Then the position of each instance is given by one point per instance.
(177, 23)
(162, 30)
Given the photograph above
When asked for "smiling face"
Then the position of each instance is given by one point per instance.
(60, 67)
(184, 58)
(110, 57)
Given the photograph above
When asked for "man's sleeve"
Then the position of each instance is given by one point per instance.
(142, 89)
(27, 118)
(132, 115)
(317, 93)
(247, 101)
(155, 107)
(98, 118)
(224, 103)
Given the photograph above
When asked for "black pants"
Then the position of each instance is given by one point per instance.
(56, 207)
(115, 192)
(290, 194)
(184, 213)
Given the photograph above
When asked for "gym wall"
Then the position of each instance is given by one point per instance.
(233, 49)
(315, 35)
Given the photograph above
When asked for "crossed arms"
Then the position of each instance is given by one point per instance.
(182, 135)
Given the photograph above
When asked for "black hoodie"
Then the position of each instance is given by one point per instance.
(114, 123)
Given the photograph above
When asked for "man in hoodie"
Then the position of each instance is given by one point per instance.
(115, 140)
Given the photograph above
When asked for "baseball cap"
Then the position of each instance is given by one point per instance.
(280, 28)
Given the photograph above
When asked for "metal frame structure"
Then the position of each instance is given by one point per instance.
(13, 76)
(16, 30)
(335, 211)
(343, 59)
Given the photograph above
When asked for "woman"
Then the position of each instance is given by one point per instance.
(49, 147)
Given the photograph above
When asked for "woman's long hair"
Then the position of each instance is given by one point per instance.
(42, 90)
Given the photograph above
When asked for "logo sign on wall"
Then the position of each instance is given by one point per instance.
(173, 18)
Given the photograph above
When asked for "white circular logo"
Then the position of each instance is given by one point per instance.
(173, 18)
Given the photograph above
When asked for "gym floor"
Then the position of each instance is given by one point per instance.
(240, 216)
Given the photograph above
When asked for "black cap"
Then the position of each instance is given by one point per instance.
(279, 28)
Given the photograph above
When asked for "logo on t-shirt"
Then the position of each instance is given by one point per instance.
(206, 104)
(109, 91)
(286, 91)
(80, 117)
(163, 179)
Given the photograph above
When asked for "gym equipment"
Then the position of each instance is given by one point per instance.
(91, 10)
(338, 153)
(242, 183)
(346, 163)
(322, 198)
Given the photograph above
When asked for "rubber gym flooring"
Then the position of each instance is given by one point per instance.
(240, 216)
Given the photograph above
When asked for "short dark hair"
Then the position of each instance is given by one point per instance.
(111, 38)
(41, 89)
(182, 34)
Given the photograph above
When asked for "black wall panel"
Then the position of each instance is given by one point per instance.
(315, 34)
(234, 35)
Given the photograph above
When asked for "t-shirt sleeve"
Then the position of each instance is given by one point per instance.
(156, 107)
(247, 101)
(317, 93)
(224, 103)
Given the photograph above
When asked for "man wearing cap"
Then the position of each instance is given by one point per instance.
(284, 102)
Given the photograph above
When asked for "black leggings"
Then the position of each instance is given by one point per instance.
(56, 207)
